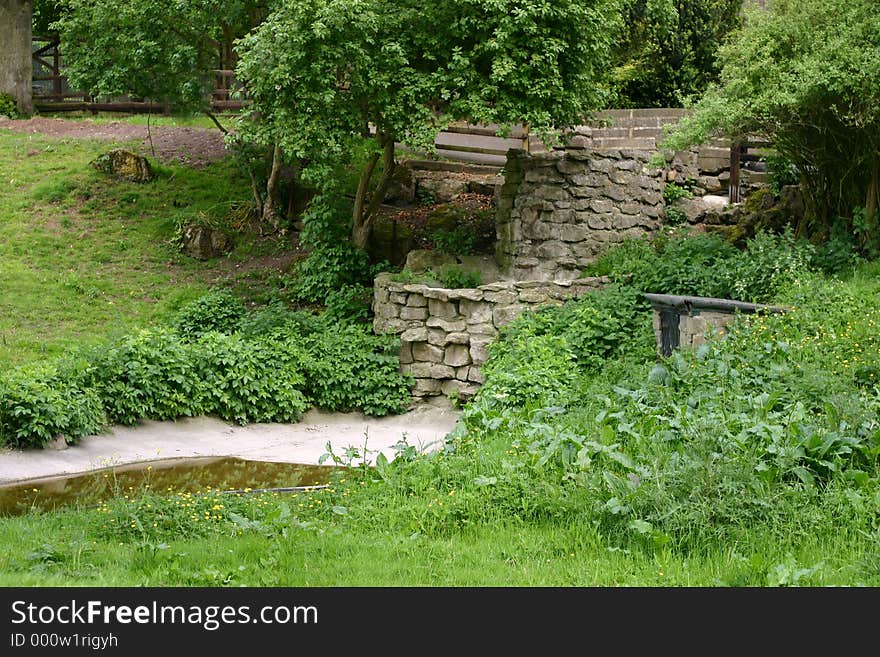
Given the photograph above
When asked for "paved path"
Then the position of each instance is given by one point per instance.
(304, 442)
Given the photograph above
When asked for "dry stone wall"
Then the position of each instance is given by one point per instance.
(558, 211)
(444, 332)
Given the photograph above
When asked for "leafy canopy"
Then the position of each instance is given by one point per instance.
(157, 49)
(806, 74)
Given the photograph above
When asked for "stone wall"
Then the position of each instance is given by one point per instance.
(558, 211)
(444, 332)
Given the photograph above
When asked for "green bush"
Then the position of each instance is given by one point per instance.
(350, 368)
(250, 380)
(42, 401)
(217, 311)
(349, 304)
(149, 374)
(706, 265)
(328, 268)
(455, 276)
(8, 106)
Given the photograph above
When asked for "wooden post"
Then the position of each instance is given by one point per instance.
(733, 191)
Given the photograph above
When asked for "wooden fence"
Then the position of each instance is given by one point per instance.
(52, 91)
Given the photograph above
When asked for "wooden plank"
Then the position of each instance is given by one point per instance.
(490, 130)
(476, 143)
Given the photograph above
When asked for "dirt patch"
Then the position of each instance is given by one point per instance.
(195, 147)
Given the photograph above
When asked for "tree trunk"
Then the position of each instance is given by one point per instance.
(270, 206)
(872, 200)
(16, 70)
(362, 217)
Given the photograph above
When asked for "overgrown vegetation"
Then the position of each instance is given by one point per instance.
(805, 75)
(585, 459)
(213, 360)
(667, 49)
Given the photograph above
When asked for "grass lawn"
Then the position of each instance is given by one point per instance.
(82, 255)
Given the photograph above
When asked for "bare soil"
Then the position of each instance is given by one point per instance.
(196, 147)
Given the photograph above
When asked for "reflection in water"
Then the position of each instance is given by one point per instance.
(170, 476)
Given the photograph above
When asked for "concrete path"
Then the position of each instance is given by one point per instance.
(304, 442)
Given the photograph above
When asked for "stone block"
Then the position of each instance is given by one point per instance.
(460, 388)
(533, 296)
(442, 371)
(398, 298)
(478, 311)
(504, 315)
(415, 335)
(486, 329)
(416, 301)
(501, 297)
(413, 313)
(601, 164)
(475, 375)
(553, 250)
(442, 309)
(597, 222)
(446, 325)
(615, 193)
(479, 354)
(457, 355)
(427, 353)
(437, 337)
(461, 373)
(419, 370)
(458, 338)
(550, 193)
(601, 205)
(387, 311)
(572, 233)
(588, 180)
(405, 353)
(425, 387)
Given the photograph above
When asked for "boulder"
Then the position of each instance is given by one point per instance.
(125, 165)
(204, 242)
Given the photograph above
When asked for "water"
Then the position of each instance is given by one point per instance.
(170, 476)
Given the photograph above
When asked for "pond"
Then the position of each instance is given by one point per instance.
(217, 474)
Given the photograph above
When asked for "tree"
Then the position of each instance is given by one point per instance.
(16, 68)
(806, 74)
(164, 51)
(322, 75)
(667, 50)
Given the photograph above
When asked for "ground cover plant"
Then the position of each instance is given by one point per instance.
(584, 460)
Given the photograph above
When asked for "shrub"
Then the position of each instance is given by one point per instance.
(327, 268)
(349, 304)
(8, 106)
(250, 381)
(455, 276)
(149, 374)
(217, 311)
(41, 401)
(350, 368)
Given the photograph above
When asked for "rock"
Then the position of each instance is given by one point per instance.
(402, 186)
(436, 188)
(204, 242)
(125, 165)
(421, 260)
(58, 443)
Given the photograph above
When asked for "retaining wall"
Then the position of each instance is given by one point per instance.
(444, 332)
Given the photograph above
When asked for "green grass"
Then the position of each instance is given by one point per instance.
(82, 255)
(71, 548)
